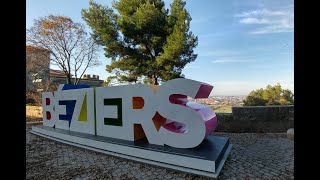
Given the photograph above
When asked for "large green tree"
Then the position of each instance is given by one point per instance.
(143, 38)
(271, 95)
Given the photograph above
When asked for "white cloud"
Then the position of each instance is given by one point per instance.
(223, 61)
(223, 56)
(265, 12)
(269, 21)
(272, 29)
(251, 20)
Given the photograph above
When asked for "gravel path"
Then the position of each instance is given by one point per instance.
(254, 156)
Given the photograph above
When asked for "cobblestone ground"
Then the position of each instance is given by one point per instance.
(254, 156)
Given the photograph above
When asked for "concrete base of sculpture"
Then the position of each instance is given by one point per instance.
(207, 159)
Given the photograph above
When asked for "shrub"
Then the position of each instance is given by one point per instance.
(33, 98)
(272, 95)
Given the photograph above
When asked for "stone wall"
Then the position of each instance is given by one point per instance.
(90, 82)
(273, 119)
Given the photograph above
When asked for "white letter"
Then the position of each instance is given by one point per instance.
(193, 120)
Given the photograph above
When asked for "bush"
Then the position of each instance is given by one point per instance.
(33, 98)
(272, 95)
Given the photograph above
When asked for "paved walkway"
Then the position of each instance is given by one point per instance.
(254, 156)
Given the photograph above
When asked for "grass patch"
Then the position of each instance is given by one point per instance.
(222, 109)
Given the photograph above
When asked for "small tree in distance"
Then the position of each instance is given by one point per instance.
(272, 95)
(71, 48)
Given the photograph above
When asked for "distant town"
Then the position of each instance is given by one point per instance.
(221, 104)
(222, 100)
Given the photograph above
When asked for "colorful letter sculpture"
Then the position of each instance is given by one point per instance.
(152, 117)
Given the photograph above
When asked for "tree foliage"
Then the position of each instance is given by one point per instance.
(71, 49)
(272, 95)
(145, 42)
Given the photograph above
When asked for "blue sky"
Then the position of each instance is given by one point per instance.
(243, 44)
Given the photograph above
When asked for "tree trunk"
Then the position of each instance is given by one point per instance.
(68, 79)
(78, 81)
(154, 80)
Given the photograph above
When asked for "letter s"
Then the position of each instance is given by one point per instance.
(196, 126)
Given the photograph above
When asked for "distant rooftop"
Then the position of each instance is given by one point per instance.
(57, 73)
(60, 73)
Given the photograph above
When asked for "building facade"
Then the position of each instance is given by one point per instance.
(37, 67)
(59, 77)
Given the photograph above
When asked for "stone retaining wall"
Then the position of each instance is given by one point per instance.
(266, 119)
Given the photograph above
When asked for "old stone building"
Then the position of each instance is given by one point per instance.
(58, 77)
(37, 66)
(38, 72)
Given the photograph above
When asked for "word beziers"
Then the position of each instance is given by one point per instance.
(162, 113)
